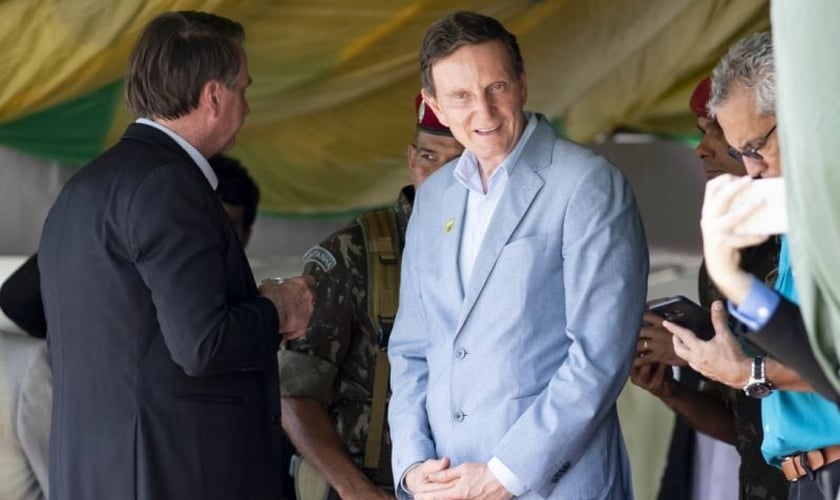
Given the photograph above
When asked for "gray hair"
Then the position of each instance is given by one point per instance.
(749, 64)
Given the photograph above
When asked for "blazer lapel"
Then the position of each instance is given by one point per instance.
(521, 190)
(451, 225)
(523, 185)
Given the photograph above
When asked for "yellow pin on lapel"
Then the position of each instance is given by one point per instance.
(448, 226)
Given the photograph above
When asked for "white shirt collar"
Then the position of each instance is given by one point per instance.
(197, 157)
(466, 170)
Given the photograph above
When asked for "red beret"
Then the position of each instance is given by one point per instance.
(700, 97)
(427, 121)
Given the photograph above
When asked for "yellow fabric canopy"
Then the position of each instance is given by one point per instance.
(334, 81)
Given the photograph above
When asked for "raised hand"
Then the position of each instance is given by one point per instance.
(294, 300)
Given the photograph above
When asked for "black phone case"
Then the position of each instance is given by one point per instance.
(684, 312)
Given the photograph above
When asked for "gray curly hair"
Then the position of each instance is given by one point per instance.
(749, 64)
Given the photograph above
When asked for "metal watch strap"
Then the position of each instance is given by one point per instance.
(757, 385)
(758, 368)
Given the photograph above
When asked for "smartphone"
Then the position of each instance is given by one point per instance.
(684, 312)
(769, 218)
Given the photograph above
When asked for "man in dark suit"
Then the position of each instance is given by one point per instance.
(163, 350)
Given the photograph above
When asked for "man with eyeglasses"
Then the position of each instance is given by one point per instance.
(801, 427)
(708, 411)
(751, 151)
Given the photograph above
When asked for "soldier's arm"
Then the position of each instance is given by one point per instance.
(311, 431)
(309, 365)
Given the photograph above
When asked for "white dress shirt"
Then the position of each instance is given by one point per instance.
(479, 212)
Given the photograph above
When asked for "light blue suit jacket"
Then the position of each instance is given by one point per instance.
(525, 361)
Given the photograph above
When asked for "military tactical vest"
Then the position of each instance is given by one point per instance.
(383, 263)
(380, 231)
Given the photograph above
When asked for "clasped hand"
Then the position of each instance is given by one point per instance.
(294, 300)
(435, 480)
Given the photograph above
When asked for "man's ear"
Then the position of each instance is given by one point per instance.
(210, 96)
(432, 102)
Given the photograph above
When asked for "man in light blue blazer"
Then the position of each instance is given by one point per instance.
(523, 284)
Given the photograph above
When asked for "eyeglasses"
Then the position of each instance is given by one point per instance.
(753, 151)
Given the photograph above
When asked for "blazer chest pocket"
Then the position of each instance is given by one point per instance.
(524, 248)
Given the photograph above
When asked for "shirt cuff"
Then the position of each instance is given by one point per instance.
(506, 477)
(758, 306)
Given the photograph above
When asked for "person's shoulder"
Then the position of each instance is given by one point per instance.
(351, 232)
(128, 164)
(560, 156)
(341, 250)
(570, 165)
(574, 155)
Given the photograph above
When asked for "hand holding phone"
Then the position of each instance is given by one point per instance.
(684, 312)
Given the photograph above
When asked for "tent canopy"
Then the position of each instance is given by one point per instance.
(334, 81)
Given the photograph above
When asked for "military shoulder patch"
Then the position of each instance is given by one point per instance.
(321, 256)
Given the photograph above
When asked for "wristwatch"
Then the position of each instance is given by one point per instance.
(758, 386)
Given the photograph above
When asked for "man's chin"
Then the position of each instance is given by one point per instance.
(228, 146)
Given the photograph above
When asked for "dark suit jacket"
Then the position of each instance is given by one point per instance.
(785, 339)
(164, 356)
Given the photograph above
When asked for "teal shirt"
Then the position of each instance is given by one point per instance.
(795, 421)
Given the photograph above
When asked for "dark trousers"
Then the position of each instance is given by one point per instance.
(823, 485)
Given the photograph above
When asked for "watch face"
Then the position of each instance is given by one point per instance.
(758, 390)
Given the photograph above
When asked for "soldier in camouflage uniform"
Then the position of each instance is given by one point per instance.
(327, 376)
(717, 410)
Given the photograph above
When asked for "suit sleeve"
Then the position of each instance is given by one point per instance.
(177, 237)
(407, 349)
(605, 267)
(785, 339)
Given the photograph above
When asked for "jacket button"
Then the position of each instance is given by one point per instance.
(460, 353)
(458, 416)
(275, 418)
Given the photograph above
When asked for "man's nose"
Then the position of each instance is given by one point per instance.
(754, 167)
(703, 150)
(484, 105)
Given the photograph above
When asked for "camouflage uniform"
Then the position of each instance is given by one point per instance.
(758, 480)
(334, 362)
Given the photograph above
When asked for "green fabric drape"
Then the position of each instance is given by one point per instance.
(72, 132)
(806, 38)
(334, 81)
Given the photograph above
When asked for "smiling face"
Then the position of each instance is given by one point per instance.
(712, 151)
(745, 128)
(480, 98)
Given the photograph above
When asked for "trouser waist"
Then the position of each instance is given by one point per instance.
(807, 463)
